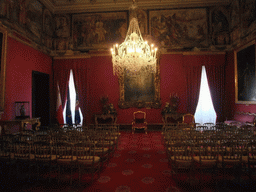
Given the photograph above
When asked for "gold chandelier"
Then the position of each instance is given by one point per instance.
(134, 54)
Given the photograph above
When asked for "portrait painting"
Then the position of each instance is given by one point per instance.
(183, 28)
(98, 30)
(245, 74)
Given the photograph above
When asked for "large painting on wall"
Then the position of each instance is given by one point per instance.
(98, 30)
(245, 74)
(3, 49)
(140, 90)
(178, 29)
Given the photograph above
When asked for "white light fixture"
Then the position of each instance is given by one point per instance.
(134, 53)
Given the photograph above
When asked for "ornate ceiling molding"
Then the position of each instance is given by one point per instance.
(79, 6)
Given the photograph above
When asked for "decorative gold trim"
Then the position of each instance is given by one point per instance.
(3, 30)
(236, 73)
(141, 104)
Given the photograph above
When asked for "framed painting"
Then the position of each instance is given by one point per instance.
(98, 30)
(3, 50)
(245, 74)
(140, 90)
(179, 28)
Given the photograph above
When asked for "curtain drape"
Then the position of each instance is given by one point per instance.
(193, 74)
(215, 71)
(80, 79)
(61, 76)
(216, 80)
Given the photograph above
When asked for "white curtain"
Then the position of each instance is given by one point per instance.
(72, 92)
(205, 112)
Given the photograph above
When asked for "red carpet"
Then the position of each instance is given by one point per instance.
(139, 164)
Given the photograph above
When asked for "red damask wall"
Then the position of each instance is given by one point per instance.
(21, 61)
(102, 82)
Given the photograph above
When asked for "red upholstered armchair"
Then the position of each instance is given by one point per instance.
(139, 121)
(188, 121)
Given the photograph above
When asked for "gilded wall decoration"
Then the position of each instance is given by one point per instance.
(98, 30)
(184, 28)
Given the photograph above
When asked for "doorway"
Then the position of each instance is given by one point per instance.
(41, 97)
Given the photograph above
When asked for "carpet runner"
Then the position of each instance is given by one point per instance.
(139, 164)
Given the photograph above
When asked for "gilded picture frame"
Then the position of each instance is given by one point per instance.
(3, 50)
(245, 74)
(140, 90)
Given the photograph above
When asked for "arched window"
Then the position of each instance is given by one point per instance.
(205, 112)
(72, 112)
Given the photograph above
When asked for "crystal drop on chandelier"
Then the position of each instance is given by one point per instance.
(134, 53)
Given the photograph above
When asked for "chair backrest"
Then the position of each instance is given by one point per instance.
(139, 115)
(188, 118)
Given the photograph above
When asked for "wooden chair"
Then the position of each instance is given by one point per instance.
(249, 160)
(44, 158)
(24, 158)
(206, 161)
(65, 159)
(139, 121)
(181, 161)
(188, 119)
(87, 160)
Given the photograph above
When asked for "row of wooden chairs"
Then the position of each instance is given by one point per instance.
(190, 149)
(61, 150)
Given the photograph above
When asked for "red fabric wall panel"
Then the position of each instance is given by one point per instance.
(21, 60)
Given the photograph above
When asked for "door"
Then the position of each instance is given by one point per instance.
(41, 97)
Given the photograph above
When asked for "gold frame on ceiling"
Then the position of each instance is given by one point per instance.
(3, 52)
(243, 58)
(154, 103)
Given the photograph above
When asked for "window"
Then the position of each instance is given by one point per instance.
(71, 103)
(205, 112)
